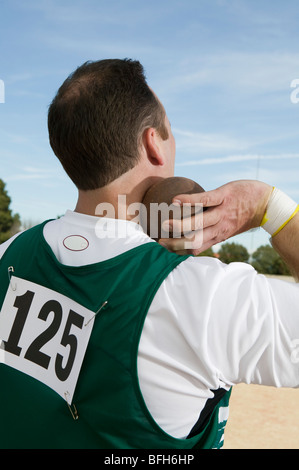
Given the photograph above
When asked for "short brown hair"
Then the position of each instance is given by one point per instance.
(98, 117)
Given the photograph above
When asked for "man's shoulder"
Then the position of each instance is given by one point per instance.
(206, 271)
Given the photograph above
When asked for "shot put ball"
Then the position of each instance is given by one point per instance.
(157, 205)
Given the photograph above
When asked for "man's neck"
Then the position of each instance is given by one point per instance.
(117, 200)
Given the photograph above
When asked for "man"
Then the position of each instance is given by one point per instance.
(109, 340)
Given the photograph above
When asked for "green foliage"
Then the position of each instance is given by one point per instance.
(267, 261)
(231, 252)
(208, 252)
(9, 223)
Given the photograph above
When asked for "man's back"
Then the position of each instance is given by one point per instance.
(62, 396)
(193, 347)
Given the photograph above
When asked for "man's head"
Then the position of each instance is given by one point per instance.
(97, 120)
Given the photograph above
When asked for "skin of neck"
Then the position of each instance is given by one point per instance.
(130, 188)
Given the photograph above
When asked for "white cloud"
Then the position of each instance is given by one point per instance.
(99, 13)
(34, 173)
(250, 72)
(21, 77)
(238, 158)
(197, 142)
(91, 49)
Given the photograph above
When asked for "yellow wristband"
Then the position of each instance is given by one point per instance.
(280, 210)
(286, 222)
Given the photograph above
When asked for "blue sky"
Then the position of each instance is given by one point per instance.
(222, 68)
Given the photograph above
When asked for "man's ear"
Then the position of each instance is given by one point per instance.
(152, 145)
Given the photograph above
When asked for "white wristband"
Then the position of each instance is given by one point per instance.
(280, 210)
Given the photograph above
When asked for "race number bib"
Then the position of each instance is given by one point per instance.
(44, 334)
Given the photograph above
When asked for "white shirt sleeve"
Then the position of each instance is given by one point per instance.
(211, 326)
(252, 334)
(242, 326)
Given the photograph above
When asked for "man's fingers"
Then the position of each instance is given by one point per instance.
(191, 241)
(233, 208)
(199, 221)
(207, 198)
(195, 242)
(180, 227)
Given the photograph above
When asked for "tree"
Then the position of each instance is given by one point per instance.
(9, 223)
(208, 252)
(230, 252)
(267, 261)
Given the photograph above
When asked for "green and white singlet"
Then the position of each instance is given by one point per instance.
(69, 367)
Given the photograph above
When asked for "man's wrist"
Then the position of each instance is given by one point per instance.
(280, 210)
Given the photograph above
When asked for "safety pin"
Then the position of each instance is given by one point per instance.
(10, 271)
(75, 413)
(102, 306)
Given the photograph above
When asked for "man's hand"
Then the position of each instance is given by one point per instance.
(229, 210)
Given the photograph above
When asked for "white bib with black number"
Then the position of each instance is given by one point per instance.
(44, 334)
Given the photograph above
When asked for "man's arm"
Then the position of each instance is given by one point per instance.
(232, 209)
(286, 243)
